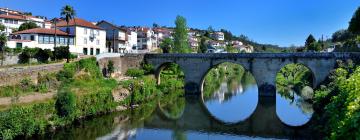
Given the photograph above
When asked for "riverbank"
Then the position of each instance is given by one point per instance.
(83, 92)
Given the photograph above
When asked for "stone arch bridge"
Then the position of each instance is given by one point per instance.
(263, 66)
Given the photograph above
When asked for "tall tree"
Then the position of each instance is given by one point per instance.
(181, 36)
(27, 25)
(310, 41)
(202, 46)
(68, 12)
(354, 25)
(3, 40)
(166, 45)
(341, 36)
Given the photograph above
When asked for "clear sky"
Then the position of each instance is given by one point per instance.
(281, 22)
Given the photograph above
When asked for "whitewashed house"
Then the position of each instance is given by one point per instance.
(146, 39)
(39, 38)
(218, 36)
(89, 38)
(12, 20)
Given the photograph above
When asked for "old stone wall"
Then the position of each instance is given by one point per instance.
(13, 75)
(122, 63)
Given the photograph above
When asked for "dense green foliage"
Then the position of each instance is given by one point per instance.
(2, 27)
(68, 13)
(354, 25)
(61, 52)
(202, 46)
(134, 72)
(181, 36)
(27, 26)
(65, 103)
(337, 104)
(110, 67)
(166, 45)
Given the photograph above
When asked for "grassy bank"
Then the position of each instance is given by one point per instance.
(82, 92)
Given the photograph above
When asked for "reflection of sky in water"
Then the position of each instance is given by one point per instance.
(238, 107)
(294, 114)
(156, 134)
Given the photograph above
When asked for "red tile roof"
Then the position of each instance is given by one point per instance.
(42, 31)
(12, 17)
(78, 22)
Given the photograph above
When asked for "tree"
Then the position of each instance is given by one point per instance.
(180, 36)
(61, 52)
(110, 67)
(27, 25)
(43, 55)
(341, 36)
(155, 25)
(202, 46)
(68, 13)
(27, 54)
(310, 42)
(2, 27)
(3, 40)
(354, 25)
(65, 104)
(166, 45)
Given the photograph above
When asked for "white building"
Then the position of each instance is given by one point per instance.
(89, 38)
(39, 38)
(118, 39)
(146, 39)
(218, 36)
(12, 19)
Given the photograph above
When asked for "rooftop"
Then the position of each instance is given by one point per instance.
(78, 22)
(42, 31)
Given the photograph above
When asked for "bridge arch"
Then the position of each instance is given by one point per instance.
(161, 67)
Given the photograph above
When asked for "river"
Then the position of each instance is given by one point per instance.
(232, 110)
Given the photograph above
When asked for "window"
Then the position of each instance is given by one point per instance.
(85, 51)
(32, 37)
(46, 39)
(11, 21)
(58, 40)
(6, 21)
(98, 42)
(91, 51)
(91, 32)
(71, 41)
(98, 32)
(85, 40)
(15, 22)
(41, 39)
(0, 20)
(85, 31)
(97, 51)
(62, 41)
(51, 40)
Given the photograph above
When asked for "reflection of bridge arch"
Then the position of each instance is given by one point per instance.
(162, 67)
(263, 122)
(244, 65)
(167, 115)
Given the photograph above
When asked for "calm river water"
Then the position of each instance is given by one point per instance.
(233, 111)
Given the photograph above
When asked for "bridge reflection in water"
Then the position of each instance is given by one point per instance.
(262, 123)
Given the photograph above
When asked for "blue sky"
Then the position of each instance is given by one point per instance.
(281, 22)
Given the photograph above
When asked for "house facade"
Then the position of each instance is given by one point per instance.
(89, 38)
(146, 39)
(12, 20)
(119, 40)
(40, 38)
(218, 36)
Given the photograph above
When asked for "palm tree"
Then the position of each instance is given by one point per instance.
(68, 12)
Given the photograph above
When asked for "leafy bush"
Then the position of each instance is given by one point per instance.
(43, 56)
(134, 72)
(61, 52)
(110, 67)
(148, 68)
(65, 103)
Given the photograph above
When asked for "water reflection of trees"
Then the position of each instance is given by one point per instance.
(293, 82)
(225, 81)
(173, 105)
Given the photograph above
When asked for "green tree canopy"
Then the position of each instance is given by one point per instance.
(2, 27)
(166, 45)
(354, 25)
(202, 45)
(310, 43)
(341, 36)
(27, 25)
(180, 36)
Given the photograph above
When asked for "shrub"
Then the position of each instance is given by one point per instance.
(61, 52)
(148, 68)
(65, 103)
(43, 55)
(133, 72)
(27, 54)
(110, 67)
